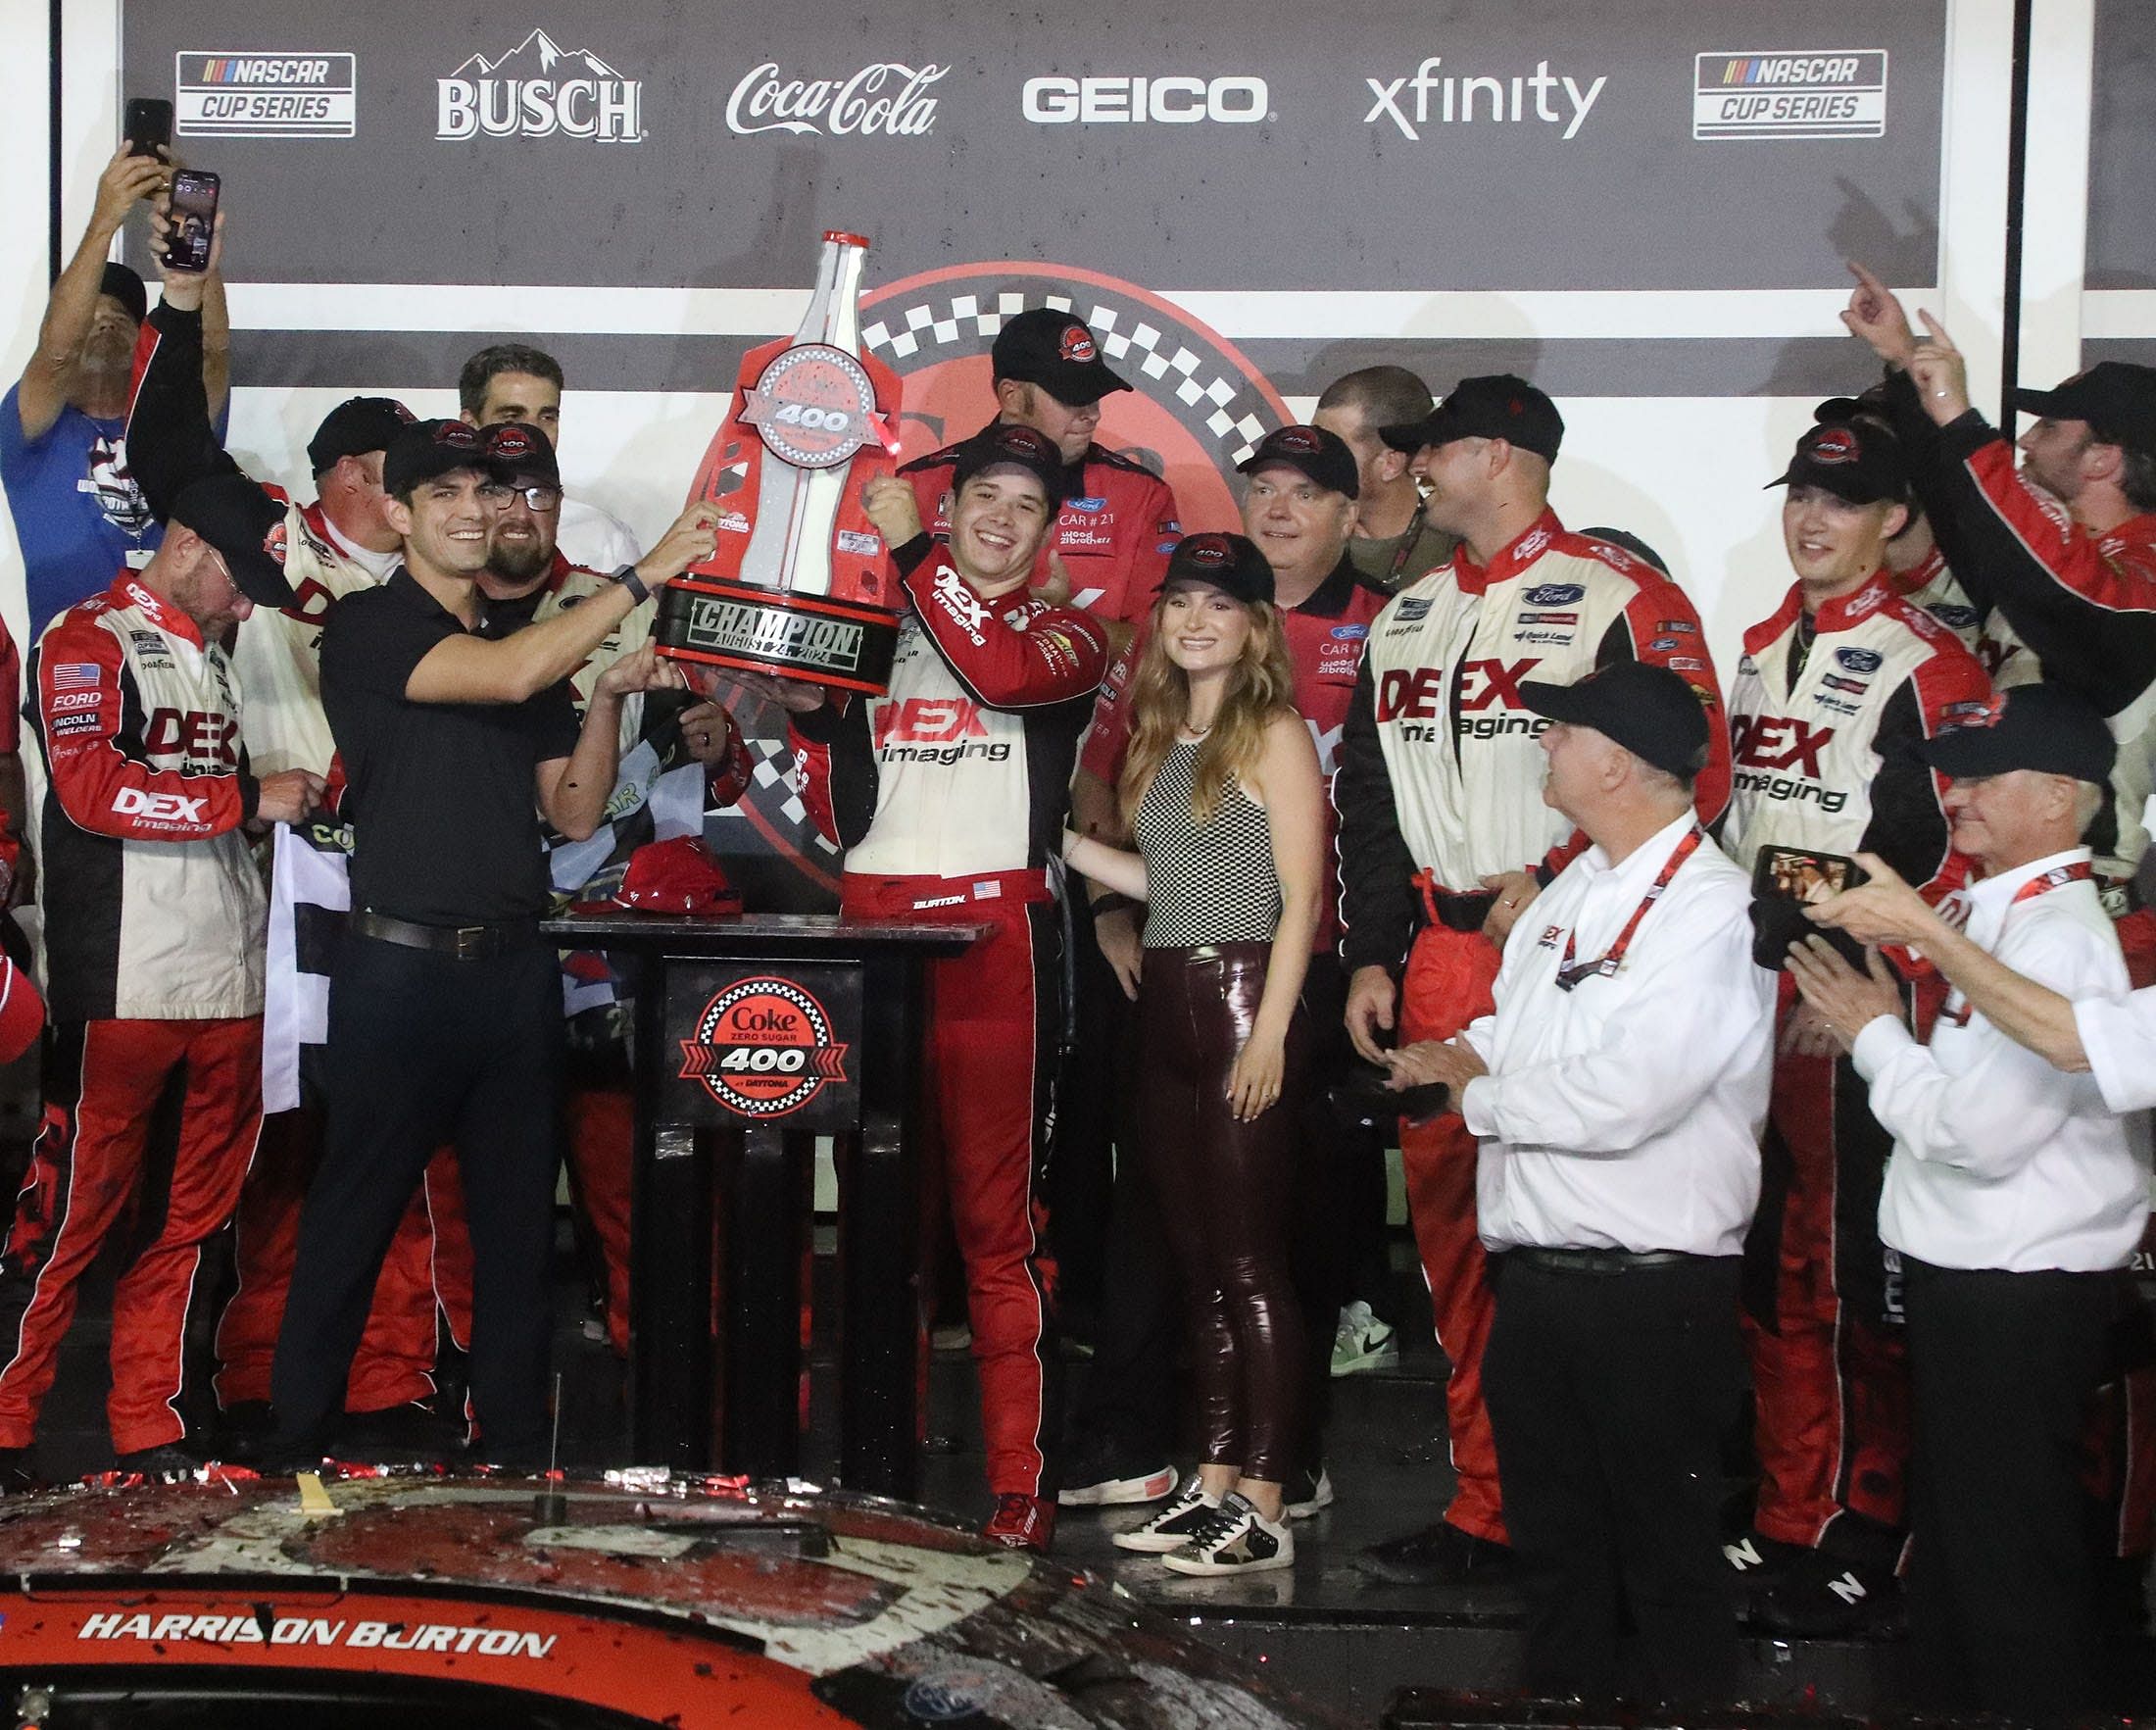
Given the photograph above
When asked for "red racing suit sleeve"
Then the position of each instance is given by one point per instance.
(2086, 605)
(835, 767)
(90, 716)
(1101, 752)
(1155, 535)
(1909, 827)
(1377, 895)
(171, 439)
(1061, 655)
(22, 1010)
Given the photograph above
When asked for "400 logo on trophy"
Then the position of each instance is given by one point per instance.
(801, 585)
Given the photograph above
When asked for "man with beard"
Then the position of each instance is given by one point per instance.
(78, 513)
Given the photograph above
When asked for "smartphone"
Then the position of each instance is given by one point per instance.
(1792, 873)
(148, 125)
(194, 216)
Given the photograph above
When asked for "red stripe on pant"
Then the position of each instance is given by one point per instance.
(395, 1362)
(1448, 985)
(1830, 1381)
(87, 1169)
(984, 1090)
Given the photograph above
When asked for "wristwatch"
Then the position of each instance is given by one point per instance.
(627, 577)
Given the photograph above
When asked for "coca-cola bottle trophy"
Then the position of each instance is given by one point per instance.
(801, 585)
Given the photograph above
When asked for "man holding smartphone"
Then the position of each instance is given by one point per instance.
(78, 513)
(1835, 695)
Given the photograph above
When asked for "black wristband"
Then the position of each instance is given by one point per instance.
(627, 577)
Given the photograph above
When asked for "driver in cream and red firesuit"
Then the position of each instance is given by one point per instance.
(948, 793)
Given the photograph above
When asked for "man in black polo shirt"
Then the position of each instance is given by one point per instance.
(445, 1008)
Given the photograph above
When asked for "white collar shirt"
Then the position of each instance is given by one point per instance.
(2119, 1034)
(2001, 1161)
(379, 565)
(1625, 1113)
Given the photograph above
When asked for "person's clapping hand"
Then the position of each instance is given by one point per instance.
(1448, 1063)
(1885, 909)
(1845, 1001)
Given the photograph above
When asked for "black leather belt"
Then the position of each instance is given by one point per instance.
(1454, 909)
(1598, 1261)
(463, 943)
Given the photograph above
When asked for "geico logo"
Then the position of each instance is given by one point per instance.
(1774, 741)
(1484, 683)
(607, 109)
(933, 719)
(1171, 100)
(169, 808)
(191, 733)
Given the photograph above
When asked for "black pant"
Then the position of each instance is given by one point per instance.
(1608, 1394)
(1226, 1189)
(424, 1049)
(2002, 1577)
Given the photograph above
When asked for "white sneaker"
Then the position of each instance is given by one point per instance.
(1307, 1496)
(1235, 1539)
(1171, 1526)
(1362, 1342)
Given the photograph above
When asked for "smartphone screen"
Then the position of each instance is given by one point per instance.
(194, 218)
(148, 125)
(1795, 874)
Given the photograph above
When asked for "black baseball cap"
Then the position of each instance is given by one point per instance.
(1229, 563)
(1869, 404)
(355, 427)
(246, 526)
(429, 448)
(1056, 350)
(521, 452)
(1020, 447)
(1648, 710)
(124, 287)
(2117, 398)
(1493, 404)
(2043, 728)
(1854, 459)
(1320, 456)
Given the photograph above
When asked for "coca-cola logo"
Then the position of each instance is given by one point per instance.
(883, 99)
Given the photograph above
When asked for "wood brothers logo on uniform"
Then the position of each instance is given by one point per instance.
(763, 1048)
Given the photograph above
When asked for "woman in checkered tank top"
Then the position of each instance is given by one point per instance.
(1222, 789)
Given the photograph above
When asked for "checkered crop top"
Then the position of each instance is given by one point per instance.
(1210, 884)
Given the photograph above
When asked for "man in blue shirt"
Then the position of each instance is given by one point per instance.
(78, 514)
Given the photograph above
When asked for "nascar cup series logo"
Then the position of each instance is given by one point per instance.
(539, 90)
(762, 1048)
(1839, 93)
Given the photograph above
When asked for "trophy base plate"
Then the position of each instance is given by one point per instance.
(813, 638)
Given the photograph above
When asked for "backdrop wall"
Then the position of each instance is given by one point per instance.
(1642, 207)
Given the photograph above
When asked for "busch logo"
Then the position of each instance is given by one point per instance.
(539, 90)
(884, 97)
(1773, 741)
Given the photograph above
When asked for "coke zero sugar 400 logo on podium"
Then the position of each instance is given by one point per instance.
(766, 1046)
(813, 407)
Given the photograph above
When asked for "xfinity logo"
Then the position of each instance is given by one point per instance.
(1122, 101)
(539, 90)
(883, 99)
(1426, 98)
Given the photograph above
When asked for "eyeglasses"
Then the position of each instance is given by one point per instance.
(541, 500)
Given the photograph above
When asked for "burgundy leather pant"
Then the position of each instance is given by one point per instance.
(1226, 1193)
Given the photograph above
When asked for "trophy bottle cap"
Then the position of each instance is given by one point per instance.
(846, 239)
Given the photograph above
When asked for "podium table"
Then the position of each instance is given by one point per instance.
(756, 1033)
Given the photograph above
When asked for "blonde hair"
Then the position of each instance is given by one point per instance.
(1260, 685)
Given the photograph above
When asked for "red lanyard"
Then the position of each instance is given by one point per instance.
(1570, 973)
(2057, 877)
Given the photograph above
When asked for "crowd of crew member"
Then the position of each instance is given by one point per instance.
(1396, 814)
